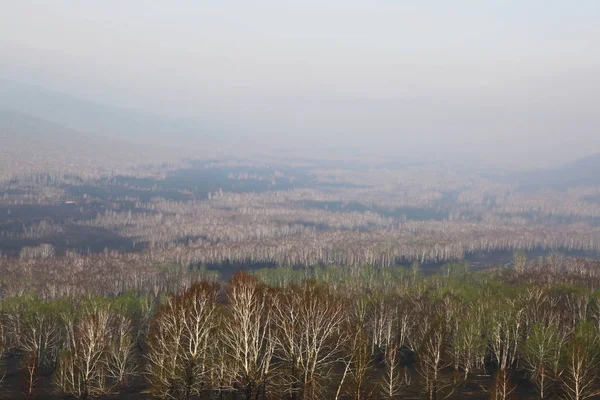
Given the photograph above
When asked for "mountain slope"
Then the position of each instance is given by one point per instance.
(582, 172)
(87, 116)
(30, 145)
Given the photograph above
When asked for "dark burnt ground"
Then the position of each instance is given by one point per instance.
(477, 388)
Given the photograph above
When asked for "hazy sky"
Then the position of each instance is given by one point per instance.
(516, 80)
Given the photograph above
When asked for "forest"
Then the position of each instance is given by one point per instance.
(309, 213)
(299, 200)
(531, 330)
(293, 278)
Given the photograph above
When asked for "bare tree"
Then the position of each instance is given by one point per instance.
(2, 348)
(249, 333)
(165, 344)
(539, 354)
(36, 332)
(309, 320)
(82, 370)
(504, 329)
(358, 348)
(502, 386)
(432, 356)
(120, 358)
(468, 347)
(395, 322)
(581, 360)
(180, 355)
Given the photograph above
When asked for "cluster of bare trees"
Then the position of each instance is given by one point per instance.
(312, 340)
(334, 332)
(97, 354)
(238, 228)
(170, 269)
(223, 239)
(87, 345)
(43, 252)
(344, 215)
(102, 274)
(296, 227)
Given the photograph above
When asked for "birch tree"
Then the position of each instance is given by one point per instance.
(249, 333)
(181, 343)
(309, 320)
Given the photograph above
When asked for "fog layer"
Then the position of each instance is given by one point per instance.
(499, 82)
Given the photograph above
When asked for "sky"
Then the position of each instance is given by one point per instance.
(496, 81)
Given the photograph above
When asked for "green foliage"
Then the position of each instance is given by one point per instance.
(476, 321)
(585, 339)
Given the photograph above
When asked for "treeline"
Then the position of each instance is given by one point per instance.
(217, 236)
(107, 274)
(321, 333)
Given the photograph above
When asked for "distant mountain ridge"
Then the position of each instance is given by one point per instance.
(87, 116)
(581, 172)
(31, 146)
(589, 163)
(32, 136)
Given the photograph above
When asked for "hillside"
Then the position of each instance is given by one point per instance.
(88, 116)
(32, 145)
(582, 172)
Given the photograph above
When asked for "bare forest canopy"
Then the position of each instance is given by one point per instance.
(86, 194)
